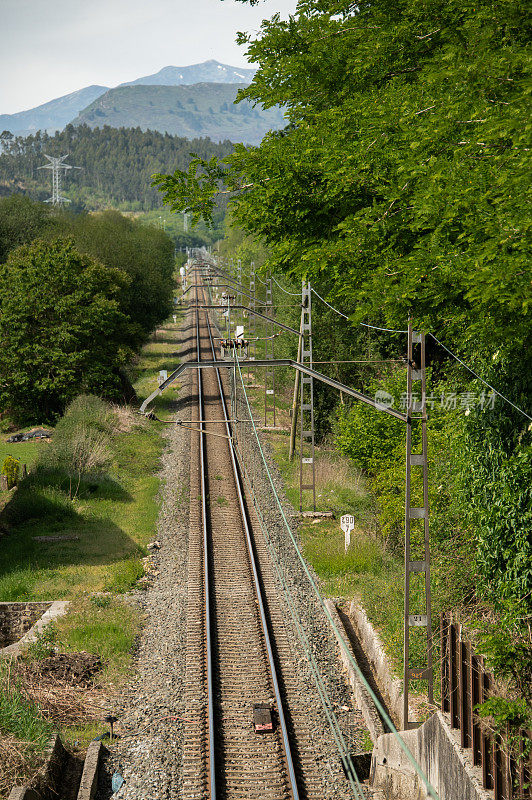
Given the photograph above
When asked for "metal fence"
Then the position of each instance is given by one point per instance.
(465, 683)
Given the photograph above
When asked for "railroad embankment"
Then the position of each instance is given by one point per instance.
(77, 529)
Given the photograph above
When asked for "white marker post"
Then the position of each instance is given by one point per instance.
(347, 523)
(162, 376)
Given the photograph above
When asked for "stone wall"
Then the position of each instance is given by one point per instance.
(16, 619)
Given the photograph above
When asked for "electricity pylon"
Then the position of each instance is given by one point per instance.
(56, 164)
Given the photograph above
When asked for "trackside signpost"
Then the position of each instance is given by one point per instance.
(347, 524)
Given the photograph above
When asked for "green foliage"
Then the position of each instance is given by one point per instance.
(501, 496)
(61, 327)
(507, 646)
(44, 645)
(511, 719)
(144, 253)
(11, 469)
(73, 310)
(398, 189)
(20, 716)
(21, 221)
(368, 437)
(81, 447)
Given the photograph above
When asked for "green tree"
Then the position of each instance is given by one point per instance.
(21, 221)
(61, 327)
(399, 187)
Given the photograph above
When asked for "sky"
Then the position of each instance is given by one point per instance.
(49, 48)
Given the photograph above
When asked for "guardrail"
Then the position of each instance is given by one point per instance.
(465, 683)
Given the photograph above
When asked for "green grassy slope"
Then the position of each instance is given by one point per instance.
(204, 109)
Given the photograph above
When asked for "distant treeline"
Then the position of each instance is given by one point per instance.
(79, 295)
(116, 164)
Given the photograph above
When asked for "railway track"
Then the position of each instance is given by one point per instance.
(239, 651)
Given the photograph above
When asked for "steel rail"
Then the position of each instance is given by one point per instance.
(206, 577)
(256, 581)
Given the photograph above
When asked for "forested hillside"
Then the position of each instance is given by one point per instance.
(204, 109)
(116, 164)
(400, 188)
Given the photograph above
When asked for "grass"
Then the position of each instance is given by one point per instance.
(112, 525)
(160, 353)
(103, 624)
(26, 452)
(112, 518)
(24, 732)
(19, 716)
(109, 524)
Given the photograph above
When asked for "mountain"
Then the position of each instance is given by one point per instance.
(207, 72)
(204, 109)
(51, 116)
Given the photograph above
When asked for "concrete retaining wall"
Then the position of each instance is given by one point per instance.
(47, 783)
(390, 686)
(362, 696)
(51, 611)
(436, 748)
(16, 619)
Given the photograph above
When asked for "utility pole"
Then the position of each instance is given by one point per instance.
(252, 326)
(251, 319)
(269, 372)
(293, 423)
(56, 164)
(239, 280)
(307, 477)
(416, 423)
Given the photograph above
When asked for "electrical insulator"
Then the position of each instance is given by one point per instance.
(240, 345)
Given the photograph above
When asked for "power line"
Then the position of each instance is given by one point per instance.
(392, 330)
(493, 389)
(374, 327)
(292, 294)
(323, 300)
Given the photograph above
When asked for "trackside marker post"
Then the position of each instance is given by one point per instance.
(347, 524)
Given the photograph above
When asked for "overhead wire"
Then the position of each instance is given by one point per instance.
(472, 371)
(292, 294)
(430, 789)
(393, 330)
(341, 314)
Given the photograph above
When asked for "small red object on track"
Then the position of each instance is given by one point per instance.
(262, 718)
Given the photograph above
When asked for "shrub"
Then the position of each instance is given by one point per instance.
(81, 445)
(11, 469)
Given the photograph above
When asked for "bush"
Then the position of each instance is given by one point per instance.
(11, 469)
(81, 444)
